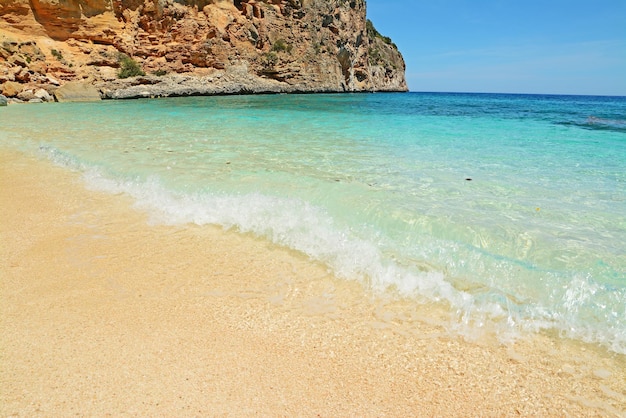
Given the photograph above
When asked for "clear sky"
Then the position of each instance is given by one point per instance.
(508, 46)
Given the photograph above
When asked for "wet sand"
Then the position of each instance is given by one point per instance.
(104, 314)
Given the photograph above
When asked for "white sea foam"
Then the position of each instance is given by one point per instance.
(289, 222)
(374, 187)
(301, 226)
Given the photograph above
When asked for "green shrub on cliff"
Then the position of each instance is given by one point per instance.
(56, 54)
(281, 46)
(270, 59)
(373, 33)
(129, 67)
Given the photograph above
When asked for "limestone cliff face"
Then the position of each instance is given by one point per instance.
(260, 45)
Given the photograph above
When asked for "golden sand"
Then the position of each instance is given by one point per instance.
(103, 314)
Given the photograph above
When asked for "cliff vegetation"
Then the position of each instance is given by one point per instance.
(139, 48)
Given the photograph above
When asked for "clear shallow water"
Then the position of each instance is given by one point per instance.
(509, 208)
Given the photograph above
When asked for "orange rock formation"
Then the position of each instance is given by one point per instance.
(208, 46)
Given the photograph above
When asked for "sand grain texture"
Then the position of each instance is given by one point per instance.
(103, 314)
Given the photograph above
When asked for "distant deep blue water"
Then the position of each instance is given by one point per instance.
(510, 209)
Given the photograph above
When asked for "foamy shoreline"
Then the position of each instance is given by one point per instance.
(103, 314)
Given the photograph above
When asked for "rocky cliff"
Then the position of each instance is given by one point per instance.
(135, 48)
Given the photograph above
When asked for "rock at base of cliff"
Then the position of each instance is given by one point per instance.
(77, 91)
(11, 89)
(3, 100)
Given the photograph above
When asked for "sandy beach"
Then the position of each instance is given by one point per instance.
(105, 314)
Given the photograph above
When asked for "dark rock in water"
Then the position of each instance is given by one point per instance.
(76, 91)
(3, 100)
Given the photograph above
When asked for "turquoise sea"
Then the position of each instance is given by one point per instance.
(509, 210)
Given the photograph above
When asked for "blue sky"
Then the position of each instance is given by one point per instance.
(508, 46)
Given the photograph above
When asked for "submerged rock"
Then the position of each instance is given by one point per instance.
(3, 100)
